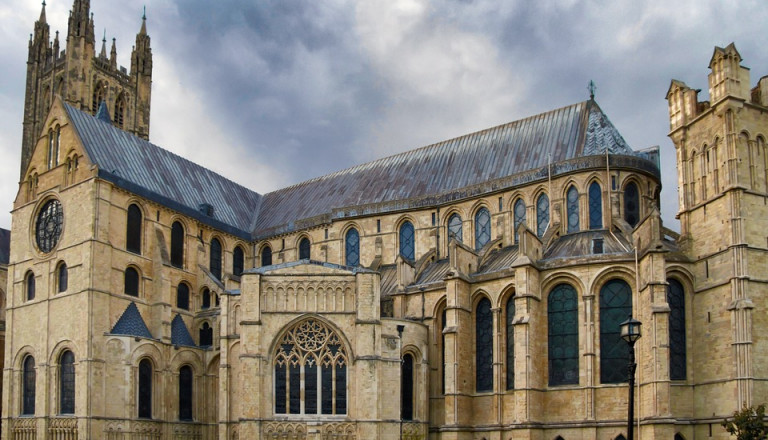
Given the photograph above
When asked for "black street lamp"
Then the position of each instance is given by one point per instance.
(630, 333)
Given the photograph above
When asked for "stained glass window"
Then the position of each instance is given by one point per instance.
(510, 318)
(482, 228)
(133, 230)
(572, 207)
(177, 244)
(131, 282)
(182, 296)
(215, 258)
(266, 256)
(185, 393)
(519, 216)
(615, 308)
(454, 227)
(631, 204)
(304, 249)
(30, 286)
(483, 346)
(48, 225)
(67, 383)
(406, 384)
(563, 335)
(595, 206)
(407, 244)
(28, 381)
(238, 261)
(310, 371)
(677, 347)
(542, 215)
(352, 247)
(63, 278)
(145, 389)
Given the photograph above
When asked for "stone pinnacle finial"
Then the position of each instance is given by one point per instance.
(591, 87)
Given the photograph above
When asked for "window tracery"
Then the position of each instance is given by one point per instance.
(455, 227)
(519, 216)
(352, 248)
(483, 346)
(615, 308)
(482, 228)
(542, 215)
(572, 207)
(595, 206)
(407, 245)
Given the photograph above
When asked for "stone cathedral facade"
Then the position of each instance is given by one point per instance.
(470, 289)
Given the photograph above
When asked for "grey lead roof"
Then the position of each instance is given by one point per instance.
(131, 323)
(145, 169)
(5, 246)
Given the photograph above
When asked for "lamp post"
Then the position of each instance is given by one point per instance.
(630, 333)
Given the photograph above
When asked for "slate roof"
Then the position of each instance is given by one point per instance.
(143, 168)
(499, 259)
(180, 334)
(574, 131)
(5, 246)
(131, 323)
(580, 244)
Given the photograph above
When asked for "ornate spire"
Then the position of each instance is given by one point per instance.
(591, 87)
(103, 54)
(42, 14)
(143, 30)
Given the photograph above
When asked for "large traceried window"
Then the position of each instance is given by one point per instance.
(406, 386)
(28, 380)
(677, 347)
(238, 261)
(615, 308)
(67, 383)
(542, 215)
(185, 393)
(455, 227)
(483, 346)
(352, 248)
(214, 263)
(120, 111)
(519, 216)
(563, 335)
(572, 208)
(304, 249)
(310, 371)
(407, 244)
(177, 245)
(482, 228)
(99, 92)
(595, 206)
(631, 204)
(510, 321)
(133, 230)
(145, 389)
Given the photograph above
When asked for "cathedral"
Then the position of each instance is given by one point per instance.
(473, 289)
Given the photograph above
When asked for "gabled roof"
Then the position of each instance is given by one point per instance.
(447, 167)
(180, 334)
(143, 168)
(5, 246)
(131, 323)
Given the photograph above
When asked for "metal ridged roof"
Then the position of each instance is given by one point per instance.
(499, 259)
(388, 283)
(131, 323)
(180, 334)
(141, 167)
(566, 133)
(434, 273)
(580, 244)
(5, 246)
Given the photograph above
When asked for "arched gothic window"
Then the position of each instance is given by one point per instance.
(443, 324)
(131, 282)
(67, 383)
(620, 437)
(310, 371)
(28, 381)
(206, 335)
(206, 299)
(542, 215)
(62, 277)
(519, 216)
(185, 393)
(182, 296)
(615, 308)
(678, 436)
(572, 207)
(54, 145)
(482, 228)
(266, 256)
(177, 245)
(510, 320)
(214, 263)
(406, 384)
(238, 261)
(455, 227)
(631, 204)
(99, 93)
(120, 111)
(483, 346)
(563, 335)
(407, 245)
(595, 206)
(30, 285)
(304, 249)
(352, 248)
(133, 230)
(145, 389)
(677, 347)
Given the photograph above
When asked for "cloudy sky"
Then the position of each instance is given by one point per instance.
(270, 93)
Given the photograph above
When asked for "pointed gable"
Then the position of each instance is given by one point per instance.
(131, 324)
(180, 334)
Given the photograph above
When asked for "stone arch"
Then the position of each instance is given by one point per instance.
(307, 316)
